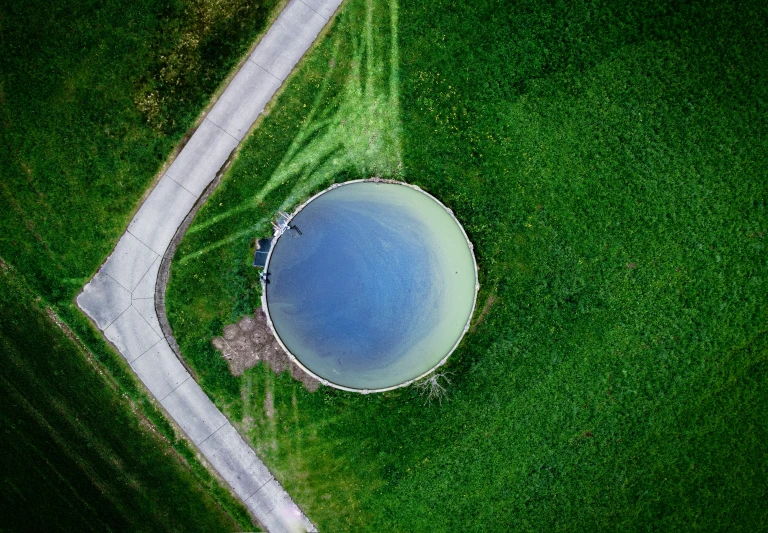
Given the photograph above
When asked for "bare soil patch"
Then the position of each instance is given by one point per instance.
(249, 341)
(487, 307)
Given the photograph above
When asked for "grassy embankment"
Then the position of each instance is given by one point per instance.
(93, 98)
(609, 162)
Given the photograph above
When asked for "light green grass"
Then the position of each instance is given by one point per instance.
(609, 162)
(352, 125)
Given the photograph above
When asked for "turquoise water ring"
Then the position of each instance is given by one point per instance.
(370, 285)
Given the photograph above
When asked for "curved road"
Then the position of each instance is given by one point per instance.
(120, 299)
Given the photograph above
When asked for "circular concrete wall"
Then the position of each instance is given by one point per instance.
(372, 286)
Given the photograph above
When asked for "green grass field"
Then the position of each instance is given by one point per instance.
(94, 96)
(77, 455)
(609, 160)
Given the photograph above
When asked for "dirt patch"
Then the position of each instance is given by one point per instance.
(487, 307)
(269, 405)
(249, 341)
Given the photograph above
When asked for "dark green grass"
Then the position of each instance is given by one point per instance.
(75, 455)
(93, 98)
(610, 162)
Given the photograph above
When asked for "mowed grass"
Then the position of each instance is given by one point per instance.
(94, 96)
(338, 120)
(76, 454)
(609, 161)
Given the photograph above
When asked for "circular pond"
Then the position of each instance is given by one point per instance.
(372, 286)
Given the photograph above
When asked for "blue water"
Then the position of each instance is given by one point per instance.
(357, 295)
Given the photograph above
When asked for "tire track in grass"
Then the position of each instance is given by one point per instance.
(358, 132)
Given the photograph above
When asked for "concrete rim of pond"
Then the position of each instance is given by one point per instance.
(295, 359)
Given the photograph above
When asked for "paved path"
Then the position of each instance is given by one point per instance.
(121, 296)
